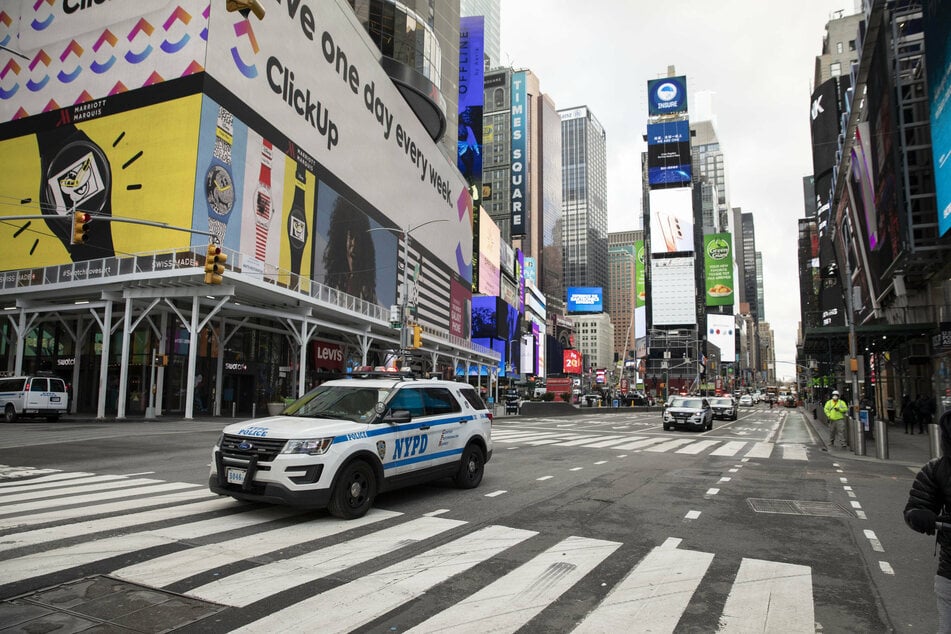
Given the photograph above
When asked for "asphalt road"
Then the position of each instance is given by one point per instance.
(600, 522)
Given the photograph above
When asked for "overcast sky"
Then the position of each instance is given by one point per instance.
(756, 56)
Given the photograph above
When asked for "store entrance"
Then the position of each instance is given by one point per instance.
(237, 391)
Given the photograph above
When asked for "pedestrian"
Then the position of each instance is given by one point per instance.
(929, 497)
(890, 409)
(926, 412)
(921, 411)
(909, 415)
(835, 410)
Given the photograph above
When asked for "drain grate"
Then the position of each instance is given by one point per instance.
(799, 507)
(103, 604)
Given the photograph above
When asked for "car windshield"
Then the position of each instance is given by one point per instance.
(694, 403)
(721, 401)
(355, 403)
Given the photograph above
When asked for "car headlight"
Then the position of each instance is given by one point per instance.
(667, 416)
(309, 446)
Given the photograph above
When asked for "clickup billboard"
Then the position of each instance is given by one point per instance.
(718, 269)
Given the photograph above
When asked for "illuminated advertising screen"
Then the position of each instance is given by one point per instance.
(486, 323)
(718, 269)
(673, 287)
(571, 363)
(471, 99)
(671, 220)
(519, 189)
(938, 57)
(824, 126)
(721, 332)
(668, 153)
(667, 96)
(640, 281)
(585, 299)
(490, 250)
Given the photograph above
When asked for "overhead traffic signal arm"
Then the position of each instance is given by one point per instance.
(214, 264)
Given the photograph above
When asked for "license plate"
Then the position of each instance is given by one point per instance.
(54, 399)
(235, 476)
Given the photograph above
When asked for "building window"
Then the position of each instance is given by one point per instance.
(835, 69)
(838, 47)
(851, 45)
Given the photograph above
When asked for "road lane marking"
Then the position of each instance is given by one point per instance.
(692, 515)
(729, 449)
(712, 491)
(654, 595)
(886, 567)
(874, 541)
(760, 450)
(495, 494)
(769, 596)
(510, 602)
(352, 605)
(545, 478)
(47, 478)
(697, 447)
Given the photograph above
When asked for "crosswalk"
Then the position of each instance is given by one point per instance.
(653, 444)
(178, 537)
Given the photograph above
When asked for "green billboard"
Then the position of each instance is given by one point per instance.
(640, 286)
(718, 267)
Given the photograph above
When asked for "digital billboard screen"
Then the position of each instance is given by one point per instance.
(938, 58)
(668, 153)
(585, 299)
(667, 96)
(571, 362)
(671, 220)
(718, 269)
(721, 332)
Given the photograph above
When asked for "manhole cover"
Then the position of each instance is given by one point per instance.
(103, 602)
(799, 507)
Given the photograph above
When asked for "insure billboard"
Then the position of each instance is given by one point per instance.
(667, 96)
(668, 153)
(938, 58)
(585, 299)
(671, 220)
(718, 269)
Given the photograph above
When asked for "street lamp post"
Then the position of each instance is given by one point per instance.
(404, 300)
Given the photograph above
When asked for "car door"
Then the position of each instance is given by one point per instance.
(408, 442)
(37, 396)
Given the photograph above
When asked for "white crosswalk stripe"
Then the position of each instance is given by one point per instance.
(281, 550)
(656, 444)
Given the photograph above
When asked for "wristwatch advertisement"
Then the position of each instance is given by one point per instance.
(297, 220)
(219, 184)
(263, 203)
(76, 176)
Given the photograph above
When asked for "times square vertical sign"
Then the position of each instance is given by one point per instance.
(519, 131)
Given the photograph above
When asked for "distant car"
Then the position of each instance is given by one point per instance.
(685, 411)
(634, 398)
(746, 401)
(723, 407)
(790, 401)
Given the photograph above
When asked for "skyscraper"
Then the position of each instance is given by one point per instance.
(584, 199)
(492, 12)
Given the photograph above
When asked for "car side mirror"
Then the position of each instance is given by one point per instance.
(398, 416)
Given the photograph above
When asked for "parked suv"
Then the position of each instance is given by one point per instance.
(347, 440)
(33, 397)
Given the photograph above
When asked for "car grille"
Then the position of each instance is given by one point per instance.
(265, 449)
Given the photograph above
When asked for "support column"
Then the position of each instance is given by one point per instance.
(163, 349)
(106, 325)
(192, 358)
(219, 367)
(124, 359)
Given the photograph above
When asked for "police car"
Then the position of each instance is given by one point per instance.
(349, 439)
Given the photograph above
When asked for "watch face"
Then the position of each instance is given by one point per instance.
(262, 203)
(219, 190)
(78, 177)
(297, 228)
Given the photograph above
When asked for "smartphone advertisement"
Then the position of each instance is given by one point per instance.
(671, 220)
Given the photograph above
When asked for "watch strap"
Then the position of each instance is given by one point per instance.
(263, 208)
(217, 229)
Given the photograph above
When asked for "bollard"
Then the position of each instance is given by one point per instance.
(858, 436)
(934, 440)
(254, 410)
(881, 440)
(234, 409)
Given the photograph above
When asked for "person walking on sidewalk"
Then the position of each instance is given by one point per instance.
(929, 497)
(835, 410)
(909, 414)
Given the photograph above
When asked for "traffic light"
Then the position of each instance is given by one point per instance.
(417, 336)
(80, 227)
(245, 6)
(214, 265)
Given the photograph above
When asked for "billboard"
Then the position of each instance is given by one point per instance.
(519, 190)
(721, 332)
(571, 362)
(718, 269)
(668, 153)
(938, 58)
(667, 96)
(490, 250)
(471, 99)
(489, 318)
(824, 126)
(585, 299)
(640, 278)
(671, 220)
(673, 288)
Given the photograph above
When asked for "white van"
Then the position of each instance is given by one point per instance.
(33, 396)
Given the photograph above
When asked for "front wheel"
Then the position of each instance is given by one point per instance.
(471, 469)
(354, 492)
(10, 413)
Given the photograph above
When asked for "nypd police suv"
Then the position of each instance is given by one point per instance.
(349, 439)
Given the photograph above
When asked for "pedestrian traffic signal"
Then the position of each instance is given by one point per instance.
(417, 336)
(214, 265)
(80, 227)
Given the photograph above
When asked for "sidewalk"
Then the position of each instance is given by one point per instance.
(911, 450)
